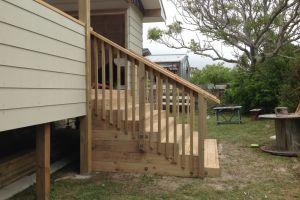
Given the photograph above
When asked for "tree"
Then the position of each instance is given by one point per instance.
(276, 82)
(215, 74)
(257, 29)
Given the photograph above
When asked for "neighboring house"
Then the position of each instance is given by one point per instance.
(176, 63)
(218, 89)
(146, 52)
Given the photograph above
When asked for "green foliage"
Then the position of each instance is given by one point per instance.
(155, 34)
(214, 74)
(275, 82)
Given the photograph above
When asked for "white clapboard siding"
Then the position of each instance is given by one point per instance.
(39, 61)
(11, 77)
(43, 12)
(42, 65)
(26, 98)
(135, 29)
(19, 16)
(18, 37)
(17, 118)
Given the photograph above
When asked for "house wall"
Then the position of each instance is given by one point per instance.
(42, 65)
(134, 30)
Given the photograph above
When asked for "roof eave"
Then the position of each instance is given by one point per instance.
(155, 15)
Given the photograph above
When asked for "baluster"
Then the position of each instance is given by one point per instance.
(192, 119)
(202, 105)
(126, 93)
(156, 93)
(103, 81)
(160, 96)
(142, 101)
(96, 64)
(175, 111)
(133, 79)
(167, 83)
(151, 99)
(118, 91)
(183, 126)
(110, 85)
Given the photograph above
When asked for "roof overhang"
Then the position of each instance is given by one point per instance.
(153, 11)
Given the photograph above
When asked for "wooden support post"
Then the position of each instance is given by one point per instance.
(86, 121)
(202, 103)
(43, 162)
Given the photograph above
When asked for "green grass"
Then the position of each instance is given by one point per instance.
(247, 173)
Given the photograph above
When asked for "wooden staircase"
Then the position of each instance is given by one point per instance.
(115, 149)
(134, 132)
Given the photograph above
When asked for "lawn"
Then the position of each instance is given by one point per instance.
(247, 173)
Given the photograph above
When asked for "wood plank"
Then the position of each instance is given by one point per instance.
(151, 100)
(96, 65)
(133, 90)
(183, 126)
(175, 113)
(126, 94)
(60, 12)
(191, 122)
(160, 96)
(142, 102)
(201, 135)
(159, 69)
(43, 162)
(110, 83)
(86, 122)
(211, 158)
(103, 66)
(167, 83)
(118, 89)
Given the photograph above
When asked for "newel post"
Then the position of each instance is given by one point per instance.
(84, 7)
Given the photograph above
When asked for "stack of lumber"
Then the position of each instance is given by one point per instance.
(16, 166)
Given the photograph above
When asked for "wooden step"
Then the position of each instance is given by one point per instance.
(211, 158)
(124, 156)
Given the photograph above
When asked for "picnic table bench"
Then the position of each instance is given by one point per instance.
(233, 118)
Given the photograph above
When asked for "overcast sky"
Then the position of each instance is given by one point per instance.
(155, 48)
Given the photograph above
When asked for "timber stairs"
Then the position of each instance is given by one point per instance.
(134, 130)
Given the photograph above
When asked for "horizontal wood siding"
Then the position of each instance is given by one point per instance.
(135, 30)
(42, 65)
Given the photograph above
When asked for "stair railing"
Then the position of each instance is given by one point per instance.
(145, 84)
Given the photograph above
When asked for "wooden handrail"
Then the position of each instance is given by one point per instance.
(47, 5)
(159, 69)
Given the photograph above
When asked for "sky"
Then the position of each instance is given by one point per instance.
(156, 48)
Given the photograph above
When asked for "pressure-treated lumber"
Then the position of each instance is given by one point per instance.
(86, 121)
(159, 69)
(43, 162)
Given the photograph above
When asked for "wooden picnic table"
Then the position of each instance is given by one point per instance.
(234, 117)
(287, 128)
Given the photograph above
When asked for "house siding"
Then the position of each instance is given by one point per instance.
(135, 30)
(42, 65)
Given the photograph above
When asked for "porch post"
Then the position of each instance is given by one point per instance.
(43, 162)
(86, 121)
